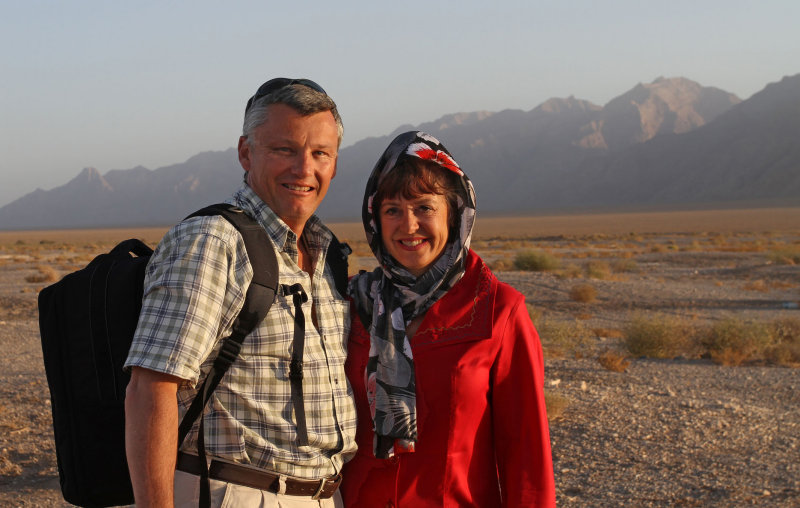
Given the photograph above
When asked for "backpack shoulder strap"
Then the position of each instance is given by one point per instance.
(337, 261)
(258, 300)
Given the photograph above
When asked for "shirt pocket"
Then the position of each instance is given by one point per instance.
(334, 326)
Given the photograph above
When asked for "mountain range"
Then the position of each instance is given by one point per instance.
(669, 143)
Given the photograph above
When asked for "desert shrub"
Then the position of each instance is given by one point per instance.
(535, 315)
(658, 336)
(560, 338)
(597, 270)
(733, 341)
(502, 264)
(535, 261)
(625, 266)
(613, 361)
(785, 349)
(612, 333)
(556, 404)
(584, 293)
(571, 271)
(44, 273)
(756, 285)
(785, 256)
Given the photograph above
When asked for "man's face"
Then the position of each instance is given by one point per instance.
(290, 160)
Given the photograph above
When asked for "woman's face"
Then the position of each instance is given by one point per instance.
(414, 231)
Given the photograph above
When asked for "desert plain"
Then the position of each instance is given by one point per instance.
(685, 427)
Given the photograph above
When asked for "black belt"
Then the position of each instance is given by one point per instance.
(259, 478)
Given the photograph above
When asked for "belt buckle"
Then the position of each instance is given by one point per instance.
(321, 487)
(335, 480)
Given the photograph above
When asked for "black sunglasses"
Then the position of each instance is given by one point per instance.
(275, 84)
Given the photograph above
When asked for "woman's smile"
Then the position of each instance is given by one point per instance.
(414, 231)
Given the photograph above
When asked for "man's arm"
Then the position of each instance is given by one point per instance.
(151, 435)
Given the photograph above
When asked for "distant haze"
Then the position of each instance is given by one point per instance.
(115, 85)
(669, 143)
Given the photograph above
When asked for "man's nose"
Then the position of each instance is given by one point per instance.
(304, 163)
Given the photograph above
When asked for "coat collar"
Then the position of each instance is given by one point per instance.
(465, 312)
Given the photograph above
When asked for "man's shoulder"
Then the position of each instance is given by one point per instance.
(198, 237)
(205, 226)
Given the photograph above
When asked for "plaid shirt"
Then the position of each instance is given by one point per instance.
(195, 285)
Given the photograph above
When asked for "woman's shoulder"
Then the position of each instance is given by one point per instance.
(481, 273)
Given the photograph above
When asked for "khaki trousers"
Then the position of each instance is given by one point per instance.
(225, 495)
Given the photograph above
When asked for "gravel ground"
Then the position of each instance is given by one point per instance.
(676, 433)
(682, 432)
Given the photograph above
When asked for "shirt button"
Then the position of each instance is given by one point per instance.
(336, 380)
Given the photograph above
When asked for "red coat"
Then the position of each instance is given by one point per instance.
(481, 419)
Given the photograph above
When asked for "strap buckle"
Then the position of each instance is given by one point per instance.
(321, 487)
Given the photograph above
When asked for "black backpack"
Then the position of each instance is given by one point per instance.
(87, 321)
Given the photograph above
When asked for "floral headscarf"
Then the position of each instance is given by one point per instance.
(389, 297)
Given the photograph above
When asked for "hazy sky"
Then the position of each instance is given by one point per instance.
(114, 84)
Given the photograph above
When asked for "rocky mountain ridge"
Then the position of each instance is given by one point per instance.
(670, 142)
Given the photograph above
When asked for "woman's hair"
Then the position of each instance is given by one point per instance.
(413, 177)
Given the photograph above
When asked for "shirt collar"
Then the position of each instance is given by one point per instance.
(316, 233)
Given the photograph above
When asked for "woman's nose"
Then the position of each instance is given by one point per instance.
(410, 223)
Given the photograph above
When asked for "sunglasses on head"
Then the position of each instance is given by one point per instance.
(275, 84)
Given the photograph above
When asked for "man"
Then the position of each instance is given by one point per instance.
(194, 288)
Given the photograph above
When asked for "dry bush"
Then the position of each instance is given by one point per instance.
(560, 338)
(44, 273)
(613, 361)
(584, 293)
(503, 264)
(785, 256)
(625, 266)
(611, 333)
(571, 271)
(556, 404)
(535, 261)
(756, 285)
(785, 349)
(535, 315)
(658, 336)
(734, 341)
(597, 270)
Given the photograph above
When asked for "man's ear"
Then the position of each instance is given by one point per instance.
(244, 153)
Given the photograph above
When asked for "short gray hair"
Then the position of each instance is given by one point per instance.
(301, 98)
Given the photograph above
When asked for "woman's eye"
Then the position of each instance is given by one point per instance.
(390, 211)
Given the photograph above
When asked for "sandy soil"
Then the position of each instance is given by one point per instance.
(665, 432)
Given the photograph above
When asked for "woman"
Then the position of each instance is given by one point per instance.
(444, 361)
